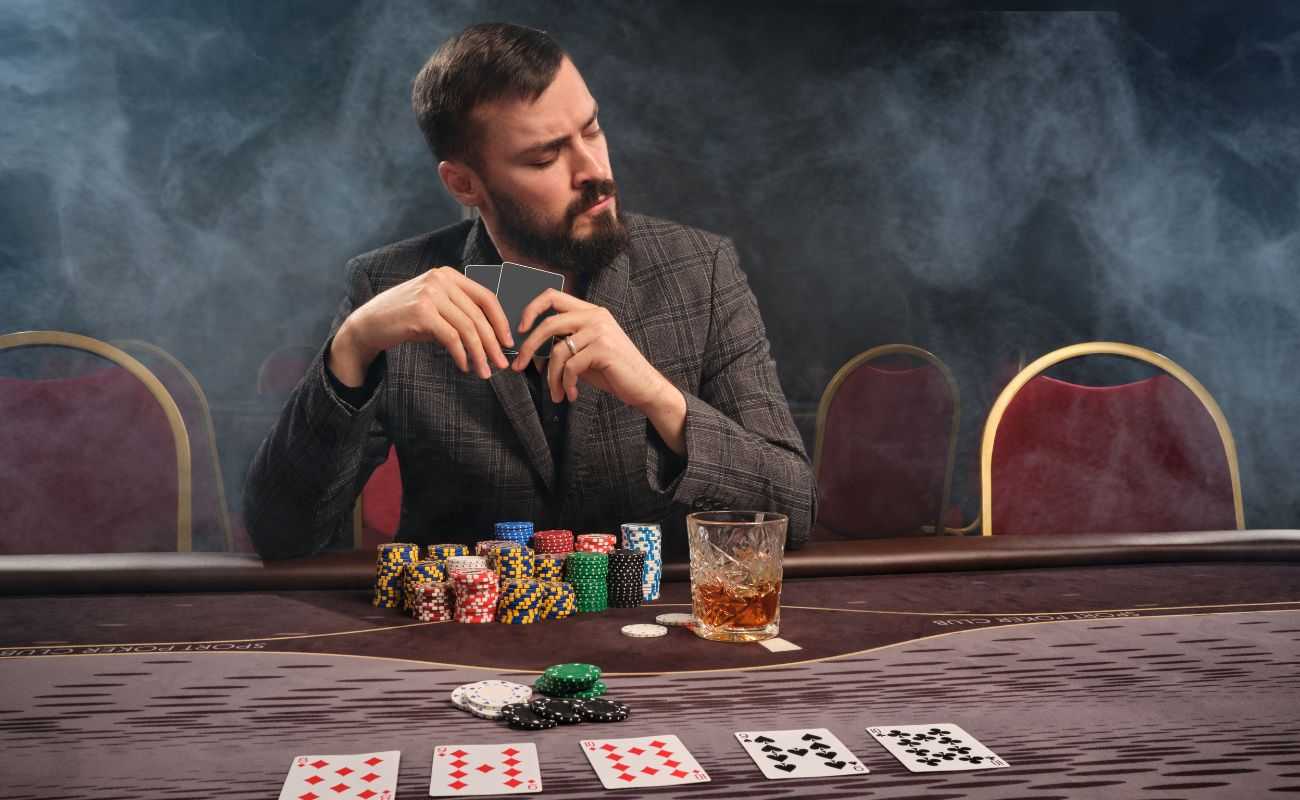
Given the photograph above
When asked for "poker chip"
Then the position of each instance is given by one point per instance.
(624, 578)
(477, 592)
(572, 676)
(678, 620)
(595, 543)
(648, 538)
(563, 710)
(519, 532)
(521, 717)
(601, 709)
(390, 565)
(544, 687)
(553, 541)
(432, 601)
(487, 699)
(442, 552)
(587, 572)
(548, 567)
(644, 631)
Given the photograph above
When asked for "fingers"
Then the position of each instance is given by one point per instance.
(487, 337)
(575, 366)
(556, 325)
(491, 308)
(560, 353)
(471, 343)
(548, 299)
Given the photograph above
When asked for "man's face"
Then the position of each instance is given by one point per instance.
(545, 167)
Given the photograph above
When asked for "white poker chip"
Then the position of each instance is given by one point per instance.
(679, 620)
(487, 698)
(644, 631)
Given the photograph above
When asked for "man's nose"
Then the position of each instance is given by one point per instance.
(587, 165)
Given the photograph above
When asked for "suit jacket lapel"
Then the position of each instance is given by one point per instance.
(512, 387)
(608, 289)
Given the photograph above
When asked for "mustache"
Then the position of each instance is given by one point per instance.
(592, 193)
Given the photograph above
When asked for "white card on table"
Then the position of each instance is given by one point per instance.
(364, 776)
(643, 761)
(939, 747)
(466, 769)
(800, 753)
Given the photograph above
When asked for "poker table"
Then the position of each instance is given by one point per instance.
(1136, 665)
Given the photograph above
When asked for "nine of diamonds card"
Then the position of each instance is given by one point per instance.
(800, 753)
(364, 776)
(941, 747)
(467, 769)
(643, 761)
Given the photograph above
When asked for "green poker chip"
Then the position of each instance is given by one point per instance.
(543, 686)
(571, 677)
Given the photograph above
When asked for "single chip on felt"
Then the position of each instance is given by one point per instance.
(644, 631)
(600, 709)
(563, 711)
(523, 718)
(675, 619)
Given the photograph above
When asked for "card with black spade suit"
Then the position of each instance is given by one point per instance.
(801, 753)
(937, 747)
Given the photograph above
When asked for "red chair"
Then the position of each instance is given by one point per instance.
(96, 463)
(379, 508)
(886, 437)
(281, 370)
(1148, 456)
(210, 511)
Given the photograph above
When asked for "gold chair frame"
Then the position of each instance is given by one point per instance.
(205, 412)
(880, 351)
(1055, 357)
(180, 436)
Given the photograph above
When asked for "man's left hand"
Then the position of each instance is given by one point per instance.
(592, 346)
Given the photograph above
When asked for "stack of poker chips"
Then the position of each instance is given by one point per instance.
(556, 541)
(548, 566)
(392, 560)
(595, 543)
(477, 591)
(625, 567)
(571, 680)
(649, 540)
(432, 601)
(417, 573)
(527, 600)
(486, 698)
(587, 573)
(465, 564)
(442, 552)
(514, 531)
(485, 547)
(511, 561)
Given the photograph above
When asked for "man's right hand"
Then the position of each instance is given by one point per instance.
(441, 305)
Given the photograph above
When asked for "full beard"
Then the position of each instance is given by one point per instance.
(555, 245)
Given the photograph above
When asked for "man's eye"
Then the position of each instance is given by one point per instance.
(542, 164)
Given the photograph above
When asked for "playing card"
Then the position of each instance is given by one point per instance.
(643, 761)
(941, 747)
(465, 769)
(800, 753)
(485, 275)
(364, 776)
(517, 288)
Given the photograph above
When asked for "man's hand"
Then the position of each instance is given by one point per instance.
(441, 305)
(597, 351)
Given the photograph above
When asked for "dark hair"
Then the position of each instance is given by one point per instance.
(482, 63)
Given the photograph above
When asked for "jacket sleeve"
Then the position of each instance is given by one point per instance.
(743, 450)
(306, 476)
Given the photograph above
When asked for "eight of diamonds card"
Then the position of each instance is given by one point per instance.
(801, 753)
(465, 769)
(366, 776)
(942, 747)
(642, 761)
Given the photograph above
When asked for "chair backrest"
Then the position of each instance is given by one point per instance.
(379, 508)
(210, 511)
(885, 444)
(1147, 456)
(94, 463)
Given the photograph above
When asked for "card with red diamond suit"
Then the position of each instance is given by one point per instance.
(643, 761)
(465, 769)
(364, 776)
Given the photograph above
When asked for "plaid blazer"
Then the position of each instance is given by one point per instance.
(473, 452)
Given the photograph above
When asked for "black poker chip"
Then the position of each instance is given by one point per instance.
(561, 710)
(602, 709)
(522, 717)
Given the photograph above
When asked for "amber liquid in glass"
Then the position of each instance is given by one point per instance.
(749, 606)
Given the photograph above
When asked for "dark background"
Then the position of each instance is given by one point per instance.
(985, 184)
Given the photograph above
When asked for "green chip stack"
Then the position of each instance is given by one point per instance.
(587, 572)
(392, 560)
(571, 680)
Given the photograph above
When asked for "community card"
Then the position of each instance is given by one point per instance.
(466, 769)
(643, 761)
(485, 275)
(941, 747)
(365, 776)
(517, 288)
(801, 753)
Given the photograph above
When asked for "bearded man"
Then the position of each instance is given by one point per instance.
(659, 396)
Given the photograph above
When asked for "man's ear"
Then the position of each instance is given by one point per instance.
(462, 183)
